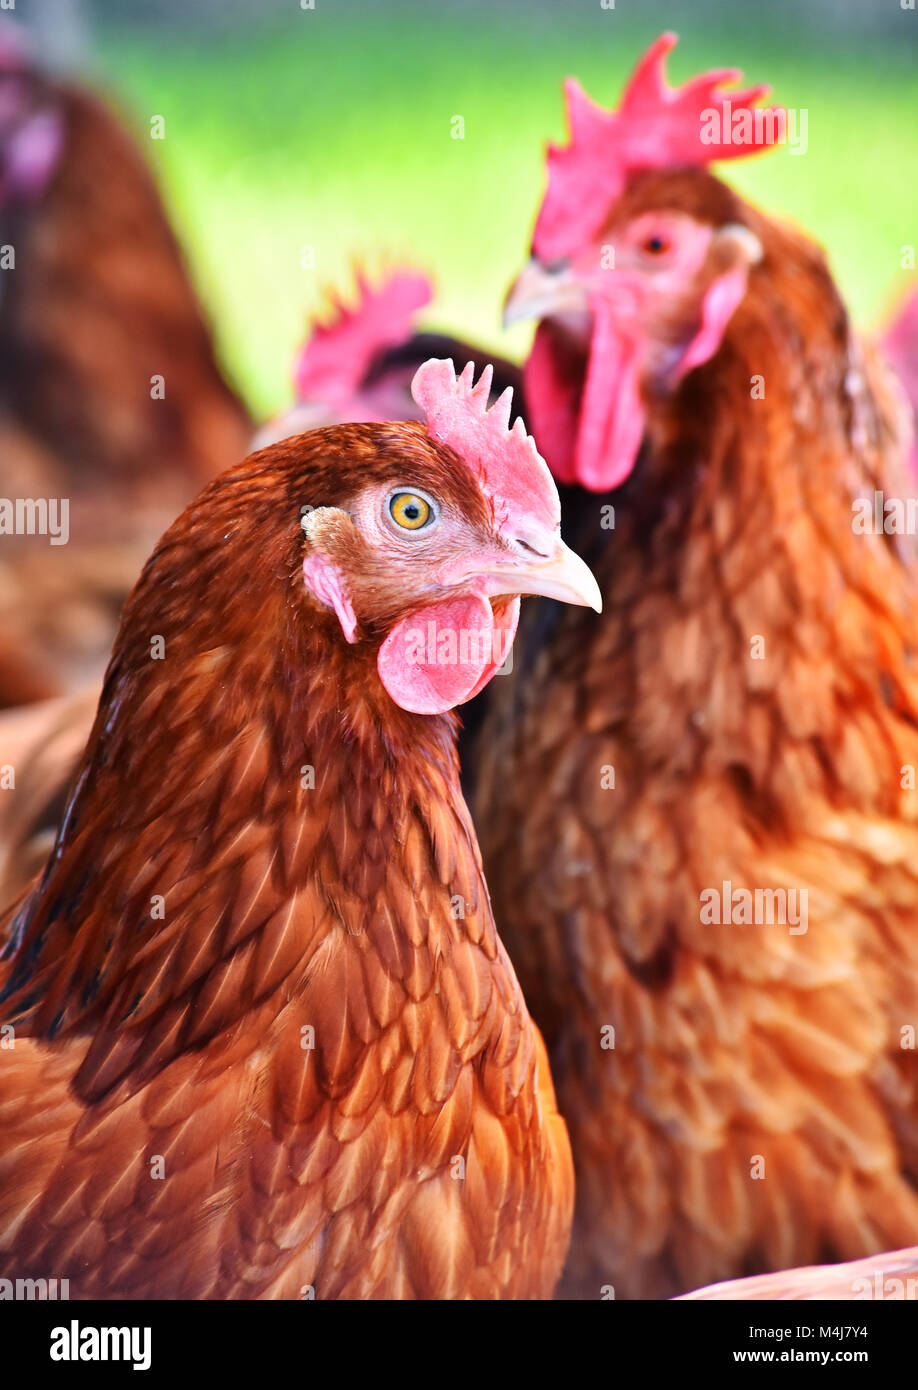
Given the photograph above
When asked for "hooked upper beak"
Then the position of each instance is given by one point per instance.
(541, 292)
(561, 575)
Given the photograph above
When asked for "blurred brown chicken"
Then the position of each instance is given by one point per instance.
(266, 1036)
(40, 749)
(735, 737)
(110, 394)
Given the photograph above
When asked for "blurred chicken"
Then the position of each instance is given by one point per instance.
(742, 719)
(40, 748)
(358, 363)
(266, 1036)
(110, 394)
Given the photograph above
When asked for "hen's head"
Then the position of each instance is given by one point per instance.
(392, 552)
(428, 555)
(640, 257)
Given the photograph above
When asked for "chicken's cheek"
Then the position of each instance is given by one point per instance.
(442, 655)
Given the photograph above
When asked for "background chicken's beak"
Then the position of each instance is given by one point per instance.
(541, 293)
(563, 576)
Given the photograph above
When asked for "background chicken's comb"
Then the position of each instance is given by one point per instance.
(655, 127)
(31, 128)
(338, 354)
(506, 459)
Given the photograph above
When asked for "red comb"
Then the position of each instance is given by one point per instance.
(655, 127)
(506, 460)
(339, 353)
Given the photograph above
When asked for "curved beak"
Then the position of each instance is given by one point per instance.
(561, 575)
(541, 292)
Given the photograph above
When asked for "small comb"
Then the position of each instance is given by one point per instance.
(339, 353)
(506, 460)
(655, 127)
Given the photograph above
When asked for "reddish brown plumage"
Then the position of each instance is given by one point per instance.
(177, 1028)
(98, 307)
(730, 1041)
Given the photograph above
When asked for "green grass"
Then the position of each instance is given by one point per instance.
(332, 128)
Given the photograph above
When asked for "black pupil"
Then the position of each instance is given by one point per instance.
(656, 243)
(412, 511)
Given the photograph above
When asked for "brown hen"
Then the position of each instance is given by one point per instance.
(267, 1040)
(741, 723)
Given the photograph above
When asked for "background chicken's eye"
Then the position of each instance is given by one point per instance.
(655, 245)
(410, 511)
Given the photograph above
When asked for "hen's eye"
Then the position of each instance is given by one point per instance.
(655, 245)
(410, 510)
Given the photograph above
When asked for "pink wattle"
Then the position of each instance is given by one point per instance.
(552, 387)
(445, 653)
(612, 416)
(588, 423)
(505, 623)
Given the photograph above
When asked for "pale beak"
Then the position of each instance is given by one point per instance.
(561, 575)
(540, 293)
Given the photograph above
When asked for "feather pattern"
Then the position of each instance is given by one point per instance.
(268, 1051)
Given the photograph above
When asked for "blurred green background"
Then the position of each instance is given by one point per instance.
(330, 127)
